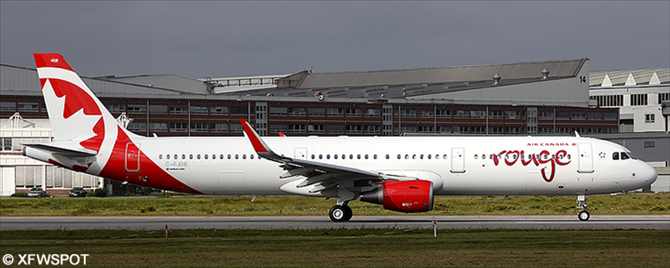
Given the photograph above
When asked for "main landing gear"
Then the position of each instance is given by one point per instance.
(340, 213)
(583, 214)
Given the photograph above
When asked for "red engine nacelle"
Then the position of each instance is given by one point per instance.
(403, 196)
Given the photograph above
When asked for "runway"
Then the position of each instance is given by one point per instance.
(658, 222)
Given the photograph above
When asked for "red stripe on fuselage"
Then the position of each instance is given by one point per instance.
(149, 175)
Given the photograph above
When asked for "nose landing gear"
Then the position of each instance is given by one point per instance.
(583, 214)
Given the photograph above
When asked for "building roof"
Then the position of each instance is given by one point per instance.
(629, 77)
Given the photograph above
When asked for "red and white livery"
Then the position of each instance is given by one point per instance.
(401, 173)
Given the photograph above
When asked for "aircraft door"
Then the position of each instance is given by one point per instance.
(585, 158)
(132, 157)
(300, 153)
(457, 160)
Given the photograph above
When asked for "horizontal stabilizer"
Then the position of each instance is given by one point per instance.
(63, 149)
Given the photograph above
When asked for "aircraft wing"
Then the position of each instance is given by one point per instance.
(63, 149)
(326, 175)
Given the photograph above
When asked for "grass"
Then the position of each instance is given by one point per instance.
(658, 203)
(292, 248)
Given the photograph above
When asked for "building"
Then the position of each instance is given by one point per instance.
(531, 98)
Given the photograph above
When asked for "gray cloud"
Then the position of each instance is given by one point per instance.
(199, 39)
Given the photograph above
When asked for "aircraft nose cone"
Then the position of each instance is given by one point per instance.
(648, 174)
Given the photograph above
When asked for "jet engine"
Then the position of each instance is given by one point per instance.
(402, 196)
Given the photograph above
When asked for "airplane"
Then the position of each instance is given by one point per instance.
(401, 173)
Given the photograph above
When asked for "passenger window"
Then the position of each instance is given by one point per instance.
(429, 156)
(484, 156)
(358, 156)
(328, 156)
(406, 156)
(437, 156)
(476, 157)
(251, 156)
(198, 156)
(320, 156)
(344, 156)
(190, 156)
(374, 156)
(334, 156)
(230, 156)
(206, 156)
(176, 156)
(351, 156)
(388, 156)
(167, 156)
(183, 156)
(421, 156)
(244, 156)
(444, 156)
(399, 156)
(313, 156)
(366, 156)
(160, 156)
(237, 156)
(413, 156)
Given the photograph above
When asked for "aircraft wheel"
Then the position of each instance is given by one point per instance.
(340, 213)
(583, 215)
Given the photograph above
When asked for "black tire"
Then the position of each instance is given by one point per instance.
(583, 215)
(348, 213)
(340, 213)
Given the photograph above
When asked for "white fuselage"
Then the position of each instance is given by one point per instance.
(461, 165)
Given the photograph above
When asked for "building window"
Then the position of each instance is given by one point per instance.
(425, 129)
(219, 127)
(276, 128)
(611, 116)
(663, 97)
(425, 113)
(372, 112)
(461, 129)
(371, 129)
(495, 114)
(297, 128)
(407, 129)
(354, 129)
(218, 110)
(512, 114)
(278, 111)
(316, 128)
(578, 115)
(317, 111)
(649, 144)
(7, 106)
(354, 112)
(239, 110)
(546, 115)
(158, 109)
(512, 130)
(595, 116)
(199, 127)
(335, 129)
(478, 130)
(546, 130)
(236, 127)
(649, 118)
(443, 113)
(136, 108)
(562, 115)
(578, 130)
(595, 130)
(461, 114)
(638, 99)
(477, 114)
(495, 130)
(199, 109)
(116, 108)
(158, 127)
(335, 112)
(178, 127)
(29, 106)
(137, 126)
(178, 109)
(444, 129)
(297, 111)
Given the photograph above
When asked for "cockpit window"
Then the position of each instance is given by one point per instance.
(615, 156)
(624, 156)
(632, 155)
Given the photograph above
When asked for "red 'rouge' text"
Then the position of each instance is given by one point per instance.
(543, 157)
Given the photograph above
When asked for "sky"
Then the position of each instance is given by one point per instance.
(224, 39)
